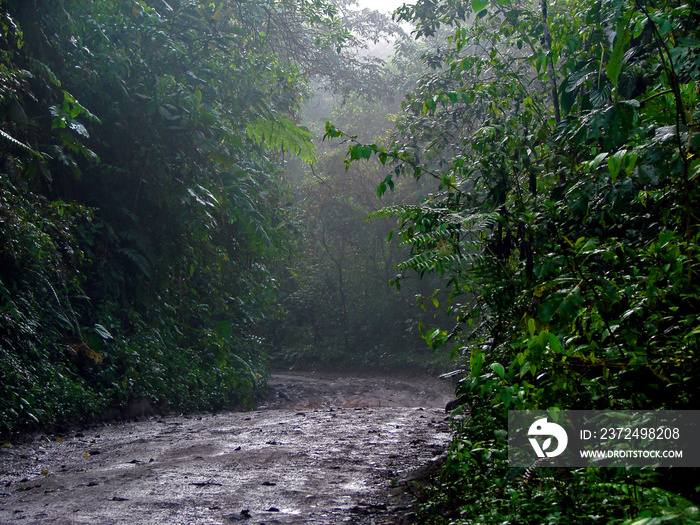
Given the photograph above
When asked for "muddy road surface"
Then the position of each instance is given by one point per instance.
(322, 449)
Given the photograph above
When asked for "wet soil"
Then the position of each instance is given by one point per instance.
(322, 449)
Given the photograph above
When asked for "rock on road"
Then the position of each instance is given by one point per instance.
(323, 450)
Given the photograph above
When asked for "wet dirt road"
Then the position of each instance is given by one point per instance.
(322, 450)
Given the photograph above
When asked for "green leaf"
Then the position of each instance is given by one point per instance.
(498, 369)
(597, 161)
(614, 66)
(545, 312)
(615, 163)
(630, 161)
(103, 332)
(360, 152)
(476, 360)
(555, 344)
(531, 326)
(479, 5)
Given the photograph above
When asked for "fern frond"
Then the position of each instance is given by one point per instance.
(137, 259)
(419, 262)
(404, 211)
(442, 215)
(16, 142)
(282, 134)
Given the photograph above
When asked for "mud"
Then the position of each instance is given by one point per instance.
(320, 450)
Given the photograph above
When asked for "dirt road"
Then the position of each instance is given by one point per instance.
(321, 450)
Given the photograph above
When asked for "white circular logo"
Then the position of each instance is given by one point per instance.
(542, 427)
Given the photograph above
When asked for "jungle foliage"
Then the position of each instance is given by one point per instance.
(143, 213)
(155, 239)
(338, 310)
(563, 142)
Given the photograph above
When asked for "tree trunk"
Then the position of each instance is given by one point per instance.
(550, 62)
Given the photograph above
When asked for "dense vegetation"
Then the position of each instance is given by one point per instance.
(157, 240)
(142, 210)
(164, 229)
(562, 140)
(340, 312)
